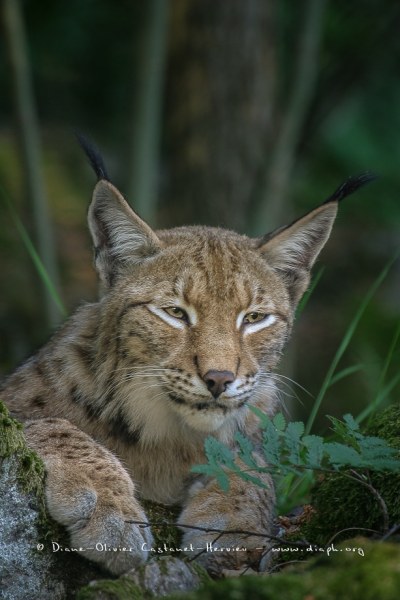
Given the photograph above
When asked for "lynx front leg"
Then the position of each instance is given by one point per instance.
(90, 493)
(244, 507)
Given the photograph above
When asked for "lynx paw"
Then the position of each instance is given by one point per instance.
(91, 494)
(243, 515)
(102, 531)
(108, 539)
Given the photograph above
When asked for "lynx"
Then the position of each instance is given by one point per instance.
(186, 335)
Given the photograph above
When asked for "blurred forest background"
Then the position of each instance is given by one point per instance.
(239, 113)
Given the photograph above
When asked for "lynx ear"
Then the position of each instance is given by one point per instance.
(119, 235)
(293, 250)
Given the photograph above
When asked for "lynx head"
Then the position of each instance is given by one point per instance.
(199, 315)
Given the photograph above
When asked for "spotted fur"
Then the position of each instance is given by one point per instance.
(129, 376)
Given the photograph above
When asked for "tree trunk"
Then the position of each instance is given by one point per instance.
(273, 202)
(220, 90)
(147, 111)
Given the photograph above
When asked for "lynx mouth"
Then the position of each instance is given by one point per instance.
(203, 406)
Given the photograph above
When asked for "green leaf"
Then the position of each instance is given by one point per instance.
(293, 433)
(204, 469)
(252, 479)
(264, 419)
(340, 455)
(377, 454)
(351, 422)
(246, 450)
(223, 480)
(217, 452)
(279, 421)
(271, 444)
(315, 450)
(338, 426)
(347, 434)
(295, 429)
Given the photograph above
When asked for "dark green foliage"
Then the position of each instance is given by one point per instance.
(341, 503)
(289, 453)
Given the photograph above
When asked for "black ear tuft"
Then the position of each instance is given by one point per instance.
(95, 159)
(351, 185)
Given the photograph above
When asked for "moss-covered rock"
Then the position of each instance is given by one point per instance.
(345, 573)
(341, 503)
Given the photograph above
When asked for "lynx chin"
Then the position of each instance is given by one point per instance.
(186, 335)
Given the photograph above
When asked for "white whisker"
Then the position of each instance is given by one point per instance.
(278, 376)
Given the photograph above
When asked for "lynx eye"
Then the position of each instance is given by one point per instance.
(178, 313)
(254, 317)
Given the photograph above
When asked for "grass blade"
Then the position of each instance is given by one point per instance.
(345, 373)
(375, 403)
(41, 269)
(345, 342)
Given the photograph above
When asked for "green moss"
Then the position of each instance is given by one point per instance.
(341, 503)
(289, 550)
(160, 513)
(386, 424)
(30, 470)
(108, 589)
(342, 574)
(11, 439)
(12, 442)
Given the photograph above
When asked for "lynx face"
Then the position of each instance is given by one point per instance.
(199, 315)
(203, 322)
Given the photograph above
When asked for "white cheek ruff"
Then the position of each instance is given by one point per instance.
(177, 323)
(253, 327)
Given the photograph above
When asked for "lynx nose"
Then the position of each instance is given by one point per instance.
(217, 381)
